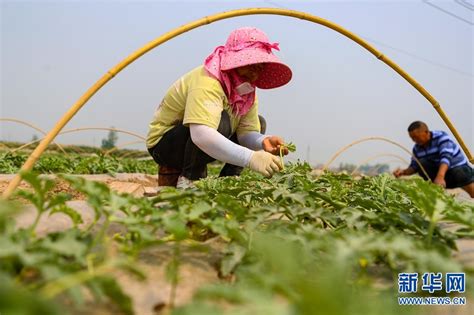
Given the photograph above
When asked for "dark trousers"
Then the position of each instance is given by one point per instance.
(458, 176)
(176, 150)
(430, 167)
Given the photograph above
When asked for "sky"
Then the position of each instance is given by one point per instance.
(52, 52)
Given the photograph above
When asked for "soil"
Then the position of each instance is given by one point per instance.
(134, 183)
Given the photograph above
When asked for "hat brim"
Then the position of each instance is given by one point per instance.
(274, 74)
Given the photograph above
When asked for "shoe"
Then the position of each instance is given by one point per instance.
(168, 176)
(184, 183)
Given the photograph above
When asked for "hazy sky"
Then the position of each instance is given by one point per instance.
(53, 51)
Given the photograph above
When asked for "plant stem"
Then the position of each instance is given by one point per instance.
(281, 157)
(54, 288)
(175, 275)
(35, 223)
(100, 234)
(431, 230)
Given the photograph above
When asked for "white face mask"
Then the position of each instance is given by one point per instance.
(244, 88)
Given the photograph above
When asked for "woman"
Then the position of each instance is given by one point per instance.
(211, 113)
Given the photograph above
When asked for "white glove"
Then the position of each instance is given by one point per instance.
(264, 163)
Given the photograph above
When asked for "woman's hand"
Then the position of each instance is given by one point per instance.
(265, 163)
(272, 145)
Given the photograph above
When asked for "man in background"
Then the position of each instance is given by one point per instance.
(441, 157)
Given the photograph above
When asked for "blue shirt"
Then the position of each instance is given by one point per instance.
(440, 149)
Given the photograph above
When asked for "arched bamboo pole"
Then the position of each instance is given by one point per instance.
(121, 146)
(82, 129)
(344, 148)
(377, 156)
(25, 145)
(204, 21)
(31, 126)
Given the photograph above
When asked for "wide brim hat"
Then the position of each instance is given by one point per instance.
(247, 46)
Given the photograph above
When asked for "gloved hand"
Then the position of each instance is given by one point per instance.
(265, 163)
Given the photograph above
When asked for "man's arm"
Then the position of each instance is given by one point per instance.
(219, 147)
(446, 149)
(439, 180)
(408, 171)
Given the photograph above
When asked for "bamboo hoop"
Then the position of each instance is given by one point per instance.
(377, 156)
(346, 147)
(83, 129)
(24, 146)
(22, 122)
(204, 21)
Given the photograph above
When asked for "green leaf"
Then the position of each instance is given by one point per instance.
(7, 211)
(175, 225)
(290, 146)
(67, 243)
(58, 200)
(114, 292)
(15, 299)
(71, 213)
(234, 254)
(39, 184)
(198, 209)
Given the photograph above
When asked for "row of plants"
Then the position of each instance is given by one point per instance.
(10, 163)
(294, 244)
(75, 149)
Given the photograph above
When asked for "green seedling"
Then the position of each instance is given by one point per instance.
(290, 146)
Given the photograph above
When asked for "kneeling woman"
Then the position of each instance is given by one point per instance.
(211, 113)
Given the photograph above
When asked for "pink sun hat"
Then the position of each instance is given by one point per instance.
(249, 45)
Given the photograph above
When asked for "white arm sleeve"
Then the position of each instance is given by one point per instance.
(252, 140)
(219, 147)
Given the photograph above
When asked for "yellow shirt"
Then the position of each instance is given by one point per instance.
(198, 98)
